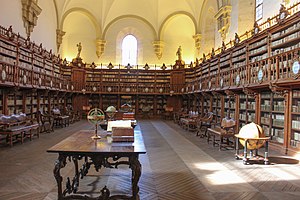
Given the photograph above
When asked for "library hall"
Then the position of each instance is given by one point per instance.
(150, 99)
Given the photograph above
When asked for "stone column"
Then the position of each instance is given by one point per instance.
(100, 45)
(197, 37)
(30, 12)
(59, 36)
(158, 46)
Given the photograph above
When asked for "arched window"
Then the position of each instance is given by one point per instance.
(129, 50)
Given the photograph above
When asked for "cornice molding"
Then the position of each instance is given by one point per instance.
(30, 13)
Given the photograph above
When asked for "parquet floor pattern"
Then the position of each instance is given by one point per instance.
(178, 166)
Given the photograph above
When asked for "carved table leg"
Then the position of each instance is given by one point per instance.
(75, 183)
(136, 168)
(59, 163)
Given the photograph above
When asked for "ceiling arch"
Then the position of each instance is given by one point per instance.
(171, 16)
(86, 13)
(207, 7)
(129, 16)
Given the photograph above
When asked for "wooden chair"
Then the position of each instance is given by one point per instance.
(46, 121)
(60, 119)
(225, 130)
(73, 116)
(17, 127)
(204, 123)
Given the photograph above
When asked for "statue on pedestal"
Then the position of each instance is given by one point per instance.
(77, 61)
(179, 63)
(79, 49)
(179, 53)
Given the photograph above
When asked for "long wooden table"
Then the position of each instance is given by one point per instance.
(100, 153)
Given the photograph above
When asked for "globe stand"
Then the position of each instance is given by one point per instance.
(95, 116)
(252, 137)
(96, 136)
(110, 115)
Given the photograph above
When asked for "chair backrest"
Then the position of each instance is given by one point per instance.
(228, 123)
(210, 116)
(56, 111)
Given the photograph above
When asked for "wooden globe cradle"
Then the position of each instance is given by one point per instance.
(252, 157)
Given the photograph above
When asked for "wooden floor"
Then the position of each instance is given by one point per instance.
(178, 166)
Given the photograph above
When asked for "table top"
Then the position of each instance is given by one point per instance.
(81, 142)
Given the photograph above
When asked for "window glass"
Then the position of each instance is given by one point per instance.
(129, 50)
(258, 10)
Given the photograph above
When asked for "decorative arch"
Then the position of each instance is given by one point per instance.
(128, 16)
(207, 4)
(121, 35)
(171, 16)
(129, 50)
(56, 14)
(86, 13)
(208, 26)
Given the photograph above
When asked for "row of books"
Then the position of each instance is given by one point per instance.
(296, 124)
(285, 39)
(286, 31)
(259, 43)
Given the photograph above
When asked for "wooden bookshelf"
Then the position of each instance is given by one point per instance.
(264, 62)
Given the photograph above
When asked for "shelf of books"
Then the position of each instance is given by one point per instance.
(31, 103)
(161, 103)
(239, 65)
(225, 70)
(206, 84)
(247, 105)
(277, 133)
(217, 107)
(94, 101)
(285, 38)
(230, 106)
(207, 103)
(295, 120)
(257, 58)
(265, 112)
(109, 100)
(214, 72)
(8, 50)
(14, 103)
(146, 105)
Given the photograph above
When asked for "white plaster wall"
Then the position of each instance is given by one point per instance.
(79, 28)
(11, 14)
(118, 31)
(45, 30)
(178, 32)
(246, 15)
(234, 24)
(271, 7)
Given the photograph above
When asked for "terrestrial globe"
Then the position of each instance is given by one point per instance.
(110, 111)
(252, 131)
